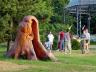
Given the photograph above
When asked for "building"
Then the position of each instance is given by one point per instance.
(81, 7)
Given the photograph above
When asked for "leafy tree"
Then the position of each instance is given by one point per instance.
(58, 8)
(12, 11)
(49, 13)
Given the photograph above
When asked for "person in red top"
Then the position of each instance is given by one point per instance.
(61, 41)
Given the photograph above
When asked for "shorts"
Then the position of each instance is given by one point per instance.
(87, 41)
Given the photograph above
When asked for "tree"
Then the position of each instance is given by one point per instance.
(12, 11)
(48, 13)
(27, 42)
(58, 9)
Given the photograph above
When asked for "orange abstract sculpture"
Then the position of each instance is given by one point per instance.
(27, 42)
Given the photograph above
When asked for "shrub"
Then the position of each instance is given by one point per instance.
(75, 45)
(55, 43)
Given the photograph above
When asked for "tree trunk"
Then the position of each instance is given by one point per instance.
(8, 44)
(27, 42)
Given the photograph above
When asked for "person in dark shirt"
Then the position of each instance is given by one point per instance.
(61, 41)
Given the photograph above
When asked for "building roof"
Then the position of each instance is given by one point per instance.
(84, 5)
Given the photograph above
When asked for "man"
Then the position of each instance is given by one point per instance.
(67, 42)
(61, 41)
(50, 38)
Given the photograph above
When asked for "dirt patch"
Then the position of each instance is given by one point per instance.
(7, 67)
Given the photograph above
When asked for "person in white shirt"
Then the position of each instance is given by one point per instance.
(83, 42)
(87, 40)
(87, 34)
(50, 38)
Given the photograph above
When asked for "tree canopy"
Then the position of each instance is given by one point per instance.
(48, 12)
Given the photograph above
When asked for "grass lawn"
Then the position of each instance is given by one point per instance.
(93, 43)
(76, 62)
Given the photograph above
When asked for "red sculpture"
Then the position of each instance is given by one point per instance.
(27, 42)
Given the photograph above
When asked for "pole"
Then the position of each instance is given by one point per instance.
(77, 16)
(89, 19)
(80, 17)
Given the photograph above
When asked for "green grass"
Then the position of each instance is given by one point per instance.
(76, 62)
(93, 43)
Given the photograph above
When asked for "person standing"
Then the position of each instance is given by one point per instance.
(82, 43)
(67, 38)
(61, 41)
(87, 41)
(50, 40)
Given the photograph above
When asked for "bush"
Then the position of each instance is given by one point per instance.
(92, 43)
(75, 45)
(55, 43)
